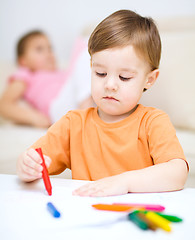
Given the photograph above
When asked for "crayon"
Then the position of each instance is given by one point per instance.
(159, 221)
(150, 207)
(150, 223)
(138, 221)
(45, 174)
(112, 207)
(170, 218)
(54, 212)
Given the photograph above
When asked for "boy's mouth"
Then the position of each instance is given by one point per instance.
(110, 98)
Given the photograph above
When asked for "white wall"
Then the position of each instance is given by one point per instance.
(63, 20)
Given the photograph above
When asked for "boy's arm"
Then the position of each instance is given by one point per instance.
(168, 176)
(11, 108)
(55, 145)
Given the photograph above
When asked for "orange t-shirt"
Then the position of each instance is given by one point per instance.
(93, 149)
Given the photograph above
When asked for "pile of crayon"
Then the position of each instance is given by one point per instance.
(145, 216)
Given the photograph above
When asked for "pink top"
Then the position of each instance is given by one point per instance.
(42, 86)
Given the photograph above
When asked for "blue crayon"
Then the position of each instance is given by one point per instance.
(54, 212)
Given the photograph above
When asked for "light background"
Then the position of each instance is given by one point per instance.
(64, 20)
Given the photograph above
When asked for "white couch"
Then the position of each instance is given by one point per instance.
(173, 93)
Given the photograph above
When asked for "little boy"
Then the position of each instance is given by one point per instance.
(121, 145)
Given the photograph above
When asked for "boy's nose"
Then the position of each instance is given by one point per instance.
(111, 84)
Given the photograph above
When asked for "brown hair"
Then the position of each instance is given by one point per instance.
(124, 28)
(22, 43)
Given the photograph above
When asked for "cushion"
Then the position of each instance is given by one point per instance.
(174, 91)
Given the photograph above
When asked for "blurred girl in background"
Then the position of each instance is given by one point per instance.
(38, 94)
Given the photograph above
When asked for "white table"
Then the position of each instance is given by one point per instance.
(23, 213)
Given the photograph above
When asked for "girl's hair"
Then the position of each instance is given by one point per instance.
(23, 41)
(124, 28)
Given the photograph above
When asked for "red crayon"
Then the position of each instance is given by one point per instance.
(45, 174)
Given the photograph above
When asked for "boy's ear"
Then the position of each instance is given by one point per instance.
(151, 78)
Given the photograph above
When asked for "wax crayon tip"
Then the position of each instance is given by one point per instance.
(170, 218)
(49, 192)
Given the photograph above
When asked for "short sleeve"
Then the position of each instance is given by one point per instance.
(56, 144)
(162, 140)
(22, 74)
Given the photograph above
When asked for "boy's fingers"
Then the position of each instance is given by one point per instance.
(28, 178)
(81, 189)
(34, 160)
(29, 162)
(85, 190)
(47, 161)
(28, 174)
(31, 171)
(94, 189)
(29, 165)
(34, 155)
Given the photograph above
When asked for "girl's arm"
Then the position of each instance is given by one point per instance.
(11, 107)
(168, 176)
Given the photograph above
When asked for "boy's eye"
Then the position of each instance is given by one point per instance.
(124, 78)
(101, 74)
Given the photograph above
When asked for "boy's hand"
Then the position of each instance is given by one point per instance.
(115, 185)
(29, 166)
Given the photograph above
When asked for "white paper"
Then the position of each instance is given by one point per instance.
(24, 213)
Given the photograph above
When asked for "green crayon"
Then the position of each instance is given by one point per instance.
(138, 221)
(170, 217)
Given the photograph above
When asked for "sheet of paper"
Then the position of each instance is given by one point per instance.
(24, 214)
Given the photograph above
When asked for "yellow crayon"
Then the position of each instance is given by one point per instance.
(159, 221)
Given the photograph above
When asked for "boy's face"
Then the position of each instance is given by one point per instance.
(118, 79)
(38, 54)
